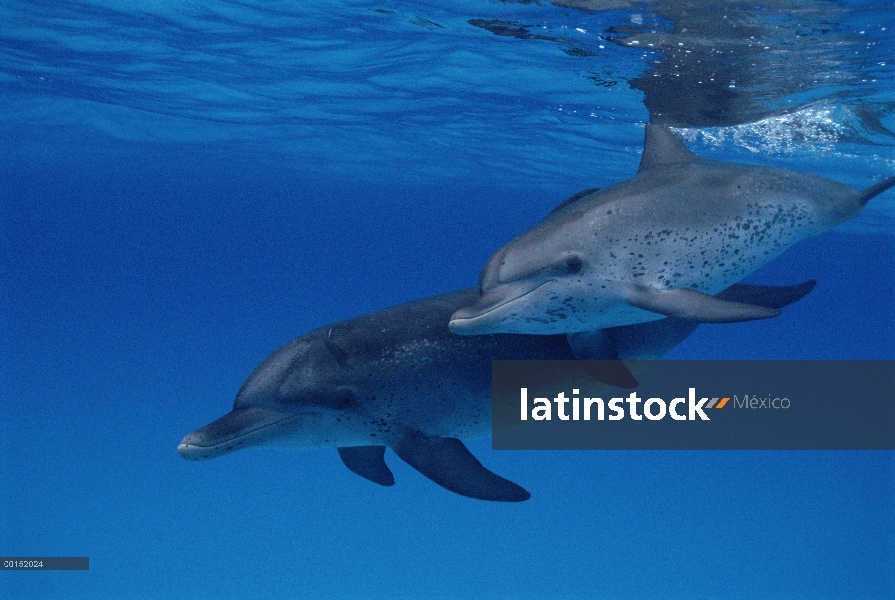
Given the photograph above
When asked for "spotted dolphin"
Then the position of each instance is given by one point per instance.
(660, 244)
(398, 378)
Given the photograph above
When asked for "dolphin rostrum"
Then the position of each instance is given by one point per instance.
(397, 377)
(662, 243)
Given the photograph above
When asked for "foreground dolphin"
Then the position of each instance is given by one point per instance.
(659, 244)
(398, 378)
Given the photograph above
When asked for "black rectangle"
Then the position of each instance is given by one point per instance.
(44, 563)
(773, 405)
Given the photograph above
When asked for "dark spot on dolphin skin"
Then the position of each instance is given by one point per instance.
(558, 313)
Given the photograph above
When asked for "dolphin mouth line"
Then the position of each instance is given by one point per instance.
(502, 304)
(187, 447)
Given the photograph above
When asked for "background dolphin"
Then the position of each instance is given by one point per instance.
(659, 244)
(397, 377)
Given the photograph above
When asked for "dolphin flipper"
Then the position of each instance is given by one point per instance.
(592, 345)
(597, 346)
(654, 339)
(447, 462)
(765, 295)
(368, 462)
(685, 303)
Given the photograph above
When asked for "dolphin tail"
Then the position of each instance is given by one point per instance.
(875, 190)
(447, 462)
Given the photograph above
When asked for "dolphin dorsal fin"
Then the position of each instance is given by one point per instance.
(662, 147)
(872, 191)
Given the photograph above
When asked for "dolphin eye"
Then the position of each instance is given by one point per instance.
(574, 264)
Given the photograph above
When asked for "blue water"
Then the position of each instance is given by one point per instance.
(186, 186)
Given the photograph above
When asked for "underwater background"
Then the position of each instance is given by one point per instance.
(188, 185)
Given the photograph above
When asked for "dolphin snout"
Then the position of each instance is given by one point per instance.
(481, 318)
(190, 449)
(240, 428)
(198, 446)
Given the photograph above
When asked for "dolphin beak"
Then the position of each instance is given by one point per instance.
(238, 429)
(477, 319)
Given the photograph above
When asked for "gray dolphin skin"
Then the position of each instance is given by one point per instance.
(398, 378)
(660, 244)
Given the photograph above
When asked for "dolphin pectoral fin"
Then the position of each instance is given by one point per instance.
(597, 346)
(654, 339)
(447, 462)
(592, 345)
(765, 295)
(689, 304)
(613, 372)
(368, 462)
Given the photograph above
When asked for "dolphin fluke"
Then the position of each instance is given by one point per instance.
(447, 462)
(368, 462)
(876, 190)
